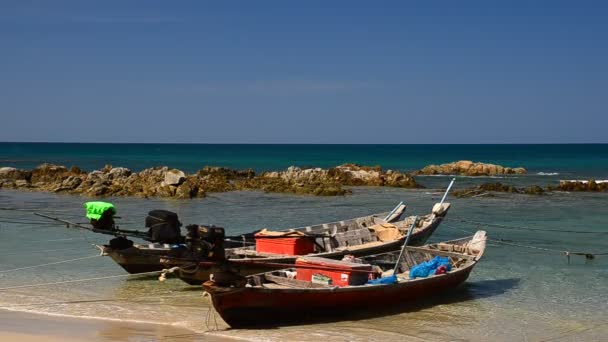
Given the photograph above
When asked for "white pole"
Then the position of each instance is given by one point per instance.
(407, 239)
(393, 211)
(448, 190)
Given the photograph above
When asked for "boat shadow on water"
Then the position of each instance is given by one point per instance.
(464, 293)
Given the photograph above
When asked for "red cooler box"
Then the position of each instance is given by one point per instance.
(286, 245)
(332, 272)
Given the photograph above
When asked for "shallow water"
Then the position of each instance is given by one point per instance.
(514, 293)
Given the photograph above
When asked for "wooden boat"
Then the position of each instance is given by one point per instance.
(275, 298)
(358, 237)
(138, 258)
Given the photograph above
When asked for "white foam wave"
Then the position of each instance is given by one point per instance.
(459, 176)
(547, 173)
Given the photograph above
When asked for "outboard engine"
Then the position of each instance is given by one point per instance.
(163, 226)
(205, 242)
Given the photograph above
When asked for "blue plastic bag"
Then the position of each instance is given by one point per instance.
(428, 267)
(384, 280)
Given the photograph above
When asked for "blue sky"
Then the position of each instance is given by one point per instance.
(304, 72)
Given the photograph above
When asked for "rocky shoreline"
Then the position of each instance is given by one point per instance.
(172, 183)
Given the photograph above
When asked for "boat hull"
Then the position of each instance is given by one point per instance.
(258, 307)
(134, 261)
(198, 273)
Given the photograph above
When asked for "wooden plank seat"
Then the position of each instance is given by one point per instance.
(354, 237)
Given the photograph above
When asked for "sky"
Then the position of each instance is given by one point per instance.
(353, 72)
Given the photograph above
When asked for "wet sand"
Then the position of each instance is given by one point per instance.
(26, 327)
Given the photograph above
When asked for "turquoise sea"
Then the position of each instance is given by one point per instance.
(524, 289)
(580, 160)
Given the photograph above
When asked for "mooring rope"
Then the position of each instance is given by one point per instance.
(76, 281)
(567, 253)
(139, 299)
(502, 226)
(49, 263)
(211, 314)
(55, 240)
(44, 251)
(19, 220)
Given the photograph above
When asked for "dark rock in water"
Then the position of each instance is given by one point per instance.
(488, 188)
(581, 185)
(469, 168)
(225, 173)
(534, 190)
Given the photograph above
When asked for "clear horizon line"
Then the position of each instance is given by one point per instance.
(281, 143)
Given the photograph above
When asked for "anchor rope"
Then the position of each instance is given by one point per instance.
(496, 225)
(49, 263)
(44, 251)
(77, 280)
(501, 241)
(101, 300)
(55, 240)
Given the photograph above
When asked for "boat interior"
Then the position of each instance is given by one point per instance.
(461, 253)
(338, 228)
(349, 235)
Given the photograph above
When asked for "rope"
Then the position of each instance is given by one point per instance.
(43, 251)
(523, 228)
(211, 313)
(565, 252)
(21, 220)
(163, 274)
(68, 239)
(76, 281)
(100, 300)
(47, 264)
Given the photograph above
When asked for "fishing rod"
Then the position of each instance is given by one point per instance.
(117, 232)
(124, 232)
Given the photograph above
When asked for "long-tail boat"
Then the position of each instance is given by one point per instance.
(319, 288)
(137, 258)
(165, 239)
(359, 237)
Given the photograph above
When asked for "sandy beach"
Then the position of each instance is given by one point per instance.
(26, 327)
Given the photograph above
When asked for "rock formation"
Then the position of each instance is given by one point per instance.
(486, 189)
(581, 185)
(469, 168)
(173, 183)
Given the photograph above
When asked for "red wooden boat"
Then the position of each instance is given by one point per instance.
(275, 298)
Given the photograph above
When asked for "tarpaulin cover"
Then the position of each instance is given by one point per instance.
(96, 209)
(428, 267)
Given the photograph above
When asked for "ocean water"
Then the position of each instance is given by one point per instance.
(523, 289)
(576, 160)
